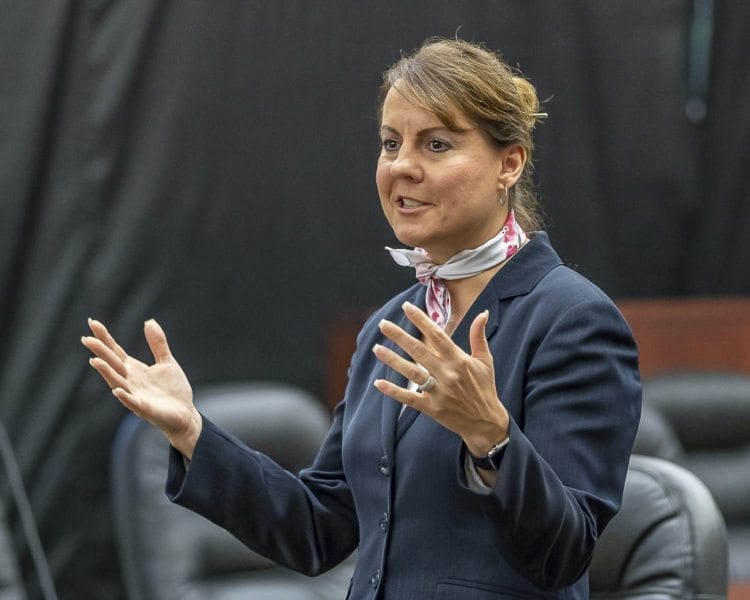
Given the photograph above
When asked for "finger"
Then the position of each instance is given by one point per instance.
(128, 400)
(412, 371)
(101, 333)
(99, 349)
(480, 348)
(413, 399)
(112, 377)
(417, 350)
(157, 341)
(432, 334)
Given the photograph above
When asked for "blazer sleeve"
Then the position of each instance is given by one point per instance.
(306, 523)
(562, 475)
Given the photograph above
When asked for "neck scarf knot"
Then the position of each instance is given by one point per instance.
(459, 266)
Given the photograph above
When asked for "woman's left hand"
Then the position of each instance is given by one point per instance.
(464, 398)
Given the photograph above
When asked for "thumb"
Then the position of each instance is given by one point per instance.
(480, 349)
(157, 341)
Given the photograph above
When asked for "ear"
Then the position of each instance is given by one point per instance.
(512, 162)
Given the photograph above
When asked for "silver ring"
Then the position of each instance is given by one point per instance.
(428, 385)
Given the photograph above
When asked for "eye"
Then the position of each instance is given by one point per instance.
(437, 145)
(389, 145)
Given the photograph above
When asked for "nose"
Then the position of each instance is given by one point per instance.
(406, 164)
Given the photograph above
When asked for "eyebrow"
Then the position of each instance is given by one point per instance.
(422, 133)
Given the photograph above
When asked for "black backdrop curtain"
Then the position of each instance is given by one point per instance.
(211, 164)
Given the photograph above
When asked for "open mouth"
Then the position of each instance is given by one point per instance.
(409, 202)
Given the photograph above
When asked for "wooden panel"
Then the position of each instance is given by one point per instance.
(673, 334)
(341, 341)
(691, 333)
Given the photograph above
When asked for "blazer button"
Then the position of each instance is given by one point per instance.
(384, 522)
(375, 579)
(385, 468)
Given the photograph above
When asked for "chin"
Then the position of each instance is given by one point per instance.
(409, 234)
(413, 241)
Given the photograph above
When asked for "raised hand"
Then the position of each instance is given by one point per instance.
(159, 393)
(464, 398)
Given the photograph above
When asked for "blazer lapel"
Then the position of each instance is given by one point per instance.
(522, 272)
(389, 418)
(394, 423)
(405, 421)
(487, 300)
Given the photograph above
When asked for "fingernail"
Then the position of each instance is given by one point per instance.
(381, 323)
(376, 347)
(407, 305)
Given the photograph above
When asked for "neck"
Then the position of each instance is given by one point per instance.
(453, 286)
(464, 293)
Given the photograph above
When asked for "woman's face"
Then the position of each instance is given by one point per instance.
(440, 189)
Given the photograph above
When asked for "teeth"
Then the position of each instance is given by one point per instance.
(409, 203)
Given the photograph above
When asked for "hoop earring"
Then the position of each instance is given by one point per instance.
(503, 199)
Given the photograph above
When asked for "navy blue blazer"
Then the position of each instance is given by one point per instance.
(395, 488)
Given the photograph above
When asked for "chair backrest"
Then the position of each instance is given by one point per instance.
(656, 437)
(710, 414)
(668, 541)
(11, 587)
(169, 553)
(12, 584)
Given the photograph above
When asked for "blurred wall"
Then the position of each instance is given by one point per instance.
(211, 164)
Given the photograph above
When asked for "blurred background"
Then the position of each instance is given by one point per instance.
(211, 164)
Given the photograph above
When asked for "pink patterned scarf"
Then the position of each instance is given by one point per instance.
(464, 264)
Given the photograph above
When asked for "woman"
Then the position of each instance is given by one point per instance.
(484, 437)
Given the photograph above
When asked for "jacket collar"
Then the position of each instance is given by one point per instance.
(518, 277)
(524, 270)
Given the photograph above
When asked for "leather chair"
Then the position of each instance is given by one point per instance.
(709, 414)
(170, 553)
(668, 541)
(12, 584)
(10, 580)
(656, 437)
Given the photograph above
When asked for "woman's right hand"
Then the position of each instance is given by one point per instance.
(159, 393)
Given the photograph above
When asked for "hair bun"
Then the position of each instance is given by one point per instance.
(528, 100)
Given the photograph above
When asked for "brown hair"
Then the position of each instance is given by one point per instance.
(449, 77)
